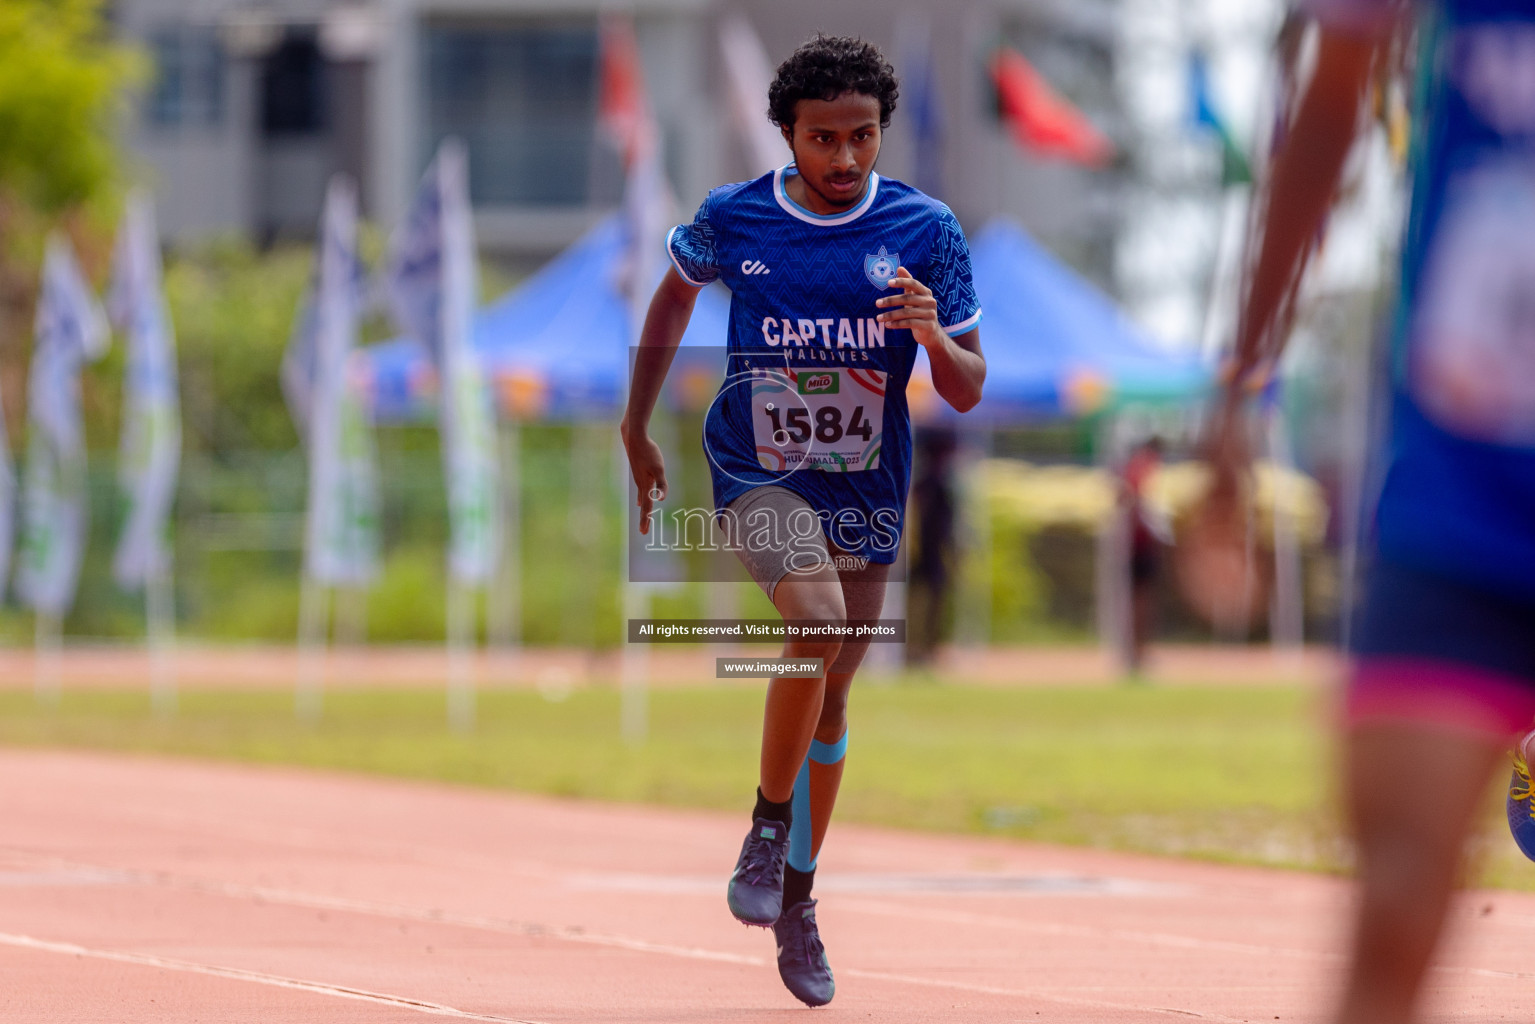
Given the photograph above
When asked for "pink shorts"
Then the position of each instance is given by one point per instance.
(1463, 698)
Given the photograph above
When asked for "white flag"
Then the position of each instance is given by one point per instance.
(341, 521)
(150, 452)
(431, 280)
(7, 502)
(747, 77)
(71, 329)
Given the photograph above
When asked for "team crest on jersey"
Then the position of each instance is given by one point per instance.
(880, 267)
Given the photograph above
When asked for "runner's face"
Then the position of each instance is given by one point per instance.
(835, 144)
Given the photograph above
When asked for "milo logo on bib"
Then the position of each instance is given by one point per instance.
(818, 383)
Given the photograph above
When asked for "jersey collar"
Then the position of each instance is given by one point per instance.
(824, 220)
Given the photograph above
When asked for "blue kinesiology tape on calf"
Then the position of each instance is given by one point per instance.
(828, 753)
(800, 842)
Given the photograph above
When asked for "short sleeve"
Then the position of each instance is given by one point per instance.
(1356, 17)
(691, 248)
(950, 279)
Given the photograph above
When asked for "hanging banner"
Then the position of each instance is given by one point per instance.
(341, 519)
(431, 280)
(150, 453)
(71, 329)
(7, 503)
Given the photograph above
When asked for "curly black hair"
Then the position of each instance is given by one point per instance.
(826, 67)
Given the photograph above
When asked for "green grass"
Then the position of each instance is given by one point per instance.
(1235, 773)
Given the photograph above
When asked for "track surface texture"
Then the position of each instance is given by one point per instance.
(142, 889)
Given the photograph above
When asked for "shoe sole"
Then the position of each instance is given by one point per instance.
(811, 1003)
(747, 921)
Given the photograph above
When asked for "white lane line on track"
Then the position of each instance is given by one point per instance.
(315, 901)
(1083, 932)
(258, 977)
(397, 911)
(1148, 938)
(996, 990)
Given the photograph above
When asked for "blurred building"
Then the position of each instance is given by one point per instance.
(254, 104)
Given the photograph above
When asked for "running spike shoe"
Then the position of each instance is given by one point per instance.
(755, 894)
(1521, 803)
(801, 957)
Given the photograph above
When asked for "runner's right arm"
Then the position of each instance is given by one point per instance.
(667, 319)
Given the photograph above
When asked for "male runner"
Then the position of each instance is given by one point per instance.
(1444, 661)
(836, 275)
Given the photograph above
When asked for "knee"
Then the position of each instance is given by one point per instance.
(827, 650)
(833, 721)
(850, 657)
(819, 609)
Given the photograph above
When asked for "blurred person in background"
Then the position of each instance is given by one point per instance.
(935, 504)
(1147, 536)
(836, 276)
(1442, 673)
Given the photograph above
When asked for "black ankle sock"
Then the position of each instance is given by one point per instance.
(796, 885)
(770, 811)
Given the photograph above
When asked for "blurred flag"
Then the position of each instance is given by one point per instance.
(648, 203)
(622, 108)
(1041, 121)
(7, 503)
(341, 523)
(71, 329)
(921, 103)
(748, 73)
(150, 453)
(431, 281)
(1235, 168)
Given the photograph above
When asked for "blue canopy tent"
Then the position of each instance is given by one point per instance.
(557, 346)
(1055, 345)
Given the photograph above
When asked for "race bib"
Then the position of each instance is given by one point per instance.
(1472, 358)
(812, 418)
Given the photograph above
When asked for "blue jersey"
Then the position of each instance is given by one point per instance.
(1458, 492)
(814, 396)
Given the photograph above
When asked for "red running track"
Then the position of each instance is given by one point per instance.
(142, 889)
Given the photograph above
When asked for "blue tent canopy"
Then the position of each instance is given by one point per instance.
(557, 346)
(1055, 345)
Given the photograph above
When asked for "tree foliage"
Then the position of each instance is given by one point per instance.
(63, 84)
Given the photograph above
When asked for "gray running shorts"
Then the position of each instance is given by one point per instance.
(774, 532)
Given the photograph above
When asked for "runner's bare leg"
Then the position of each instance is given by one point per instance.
(793, 707)
(1412, 792)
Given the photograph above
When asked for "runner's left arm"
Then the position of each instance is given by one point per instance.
(959, 369)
